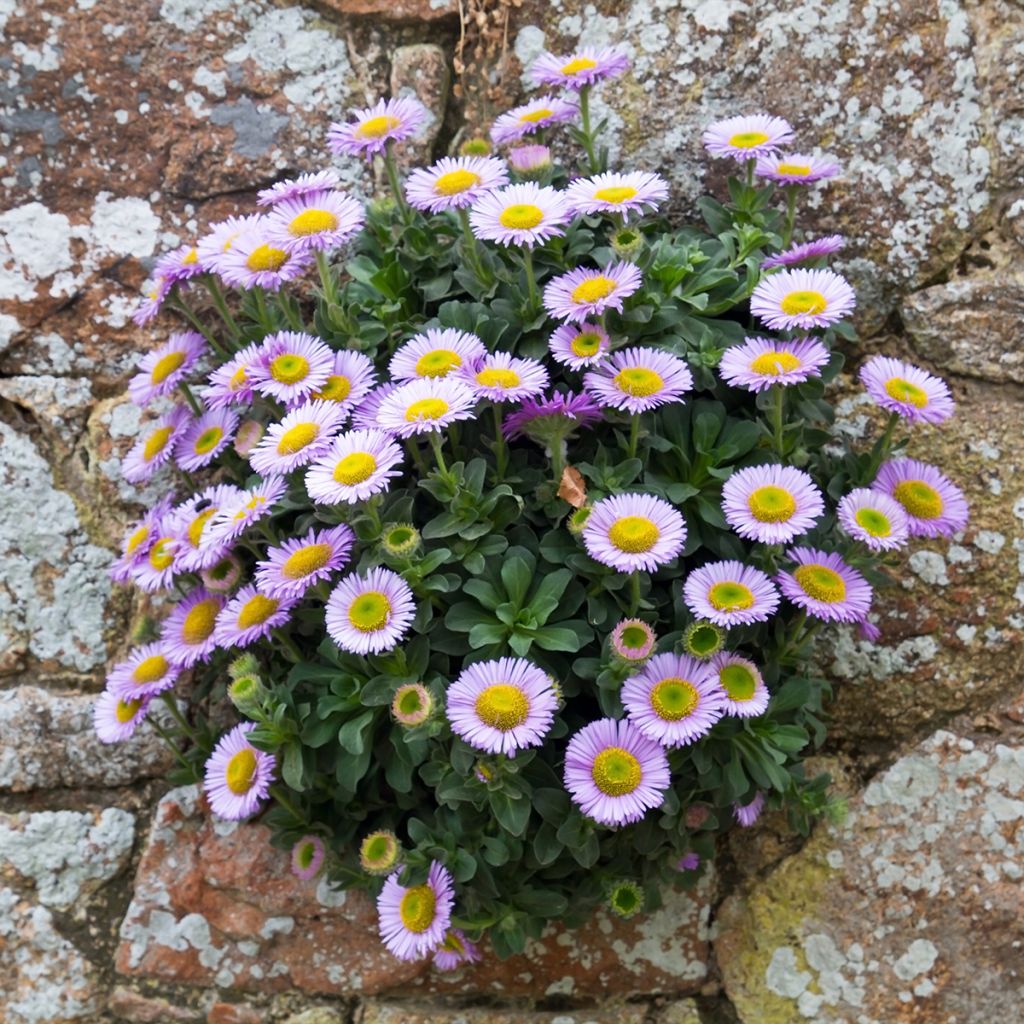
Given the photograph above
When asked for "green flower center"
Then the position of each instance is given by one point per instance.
(369, 611)
(289, 368)
(873, 522)
(738, 682)
(730, 596)
(771, 504)
(208, 440)
(902, 390)
(674, 699)
(417, 908)
(633, 638)
(586, 344)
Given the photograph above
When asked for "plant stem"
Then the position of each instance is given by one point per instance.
(882, 447)
(178, 716)
(588, 140)
(531, 283)
(278, 793)
(190, 398)
(287, 643)
(750, 173)
(778, 406)
(217, 294)
(187, 312)
(169, 741)
(396, 185)
(634, 592)
(787, 234)
(634, 435)
(262, 313)
(473, 249)
(413, 448)
(500, 448)
(323, 266)
(435, 443)
(557, 460)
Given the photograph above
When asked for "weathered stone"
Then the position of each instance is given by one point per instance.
(317, 1015)
(421, 70)
(909, 910)
(402, 1013)
(683, 1012)
(393, 10)
(49, 742)
(127, 1004)
(234, 1013)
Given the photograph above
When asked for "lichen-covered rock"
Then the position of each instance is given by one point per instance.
(399, 1013)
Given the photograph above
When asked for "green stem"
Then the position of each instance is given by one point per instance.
(169, 741)
(634, 435)
(186, 311)
(190, 398)
(778, 406)
(287, 643)
(588, 139)
(391, 167)
(500, 448)
(882, 448)
(787, 234)
(262, 313)
(176, 714)
(435, 443)
(323, 266)
(634, 592)
(217, 294)
(557, 461)
(370, 510)
(472, 249)
(750, 173)
(413, 448)
(531, 283)
(278, 793)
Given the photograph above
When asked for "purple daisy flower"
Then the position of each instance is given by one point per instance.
(585, 66)
(217, 242)
(435, 353)
(163, 369)
(875, 519)
(156, 446)
(290, 366)
(139, 539)
(688, 862)
(637, 380)
(310, 184)
(303, 435)
(761, 363)
(906, 390)
(419, 406)
(237, 776)
(747, 136)
(455, 951)
(730, 594)
(502, 706)
(351, 379)
(299, 562)
(358, 465)
(151, 305)
(503, 377)
(231, 384)
(530, 161)
(254, 262)
(614, 773)
(825, 586)
(617, 193)
(454, 182)
(531, 117)
(795, 168)
(557, 415)
(146, 672)
(157, 570)
(189, 523)
(307, 857)
(674, 699)
(205, 438)
(250, 616)
(747, 814)
(630, 532)
(771, 503)
(633, 640)
(371, 612)
(115, 718)
(179, 265)
(414, 920)
(584, 293)
(364, 415)
(187, 633)
(867, 630)
(791, 299)
(825, 246)
(522, 214)
(372, 128)
(745, 692)
(934, 505)
(314, 223)
(235, 516)
(579, 345)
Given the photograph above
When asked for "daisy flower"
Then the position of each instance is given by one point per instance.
(115, 718)
(250, 616)
(372, 128)
(254, 262)
(584, 293)
(205, 438)
(302, 561)
(747, 137)
(310, 184)
(155, 446)
(522, 214)
(454, 182)
(771, 503)
(369, 613)
(435, 353)
(237, 776)
(825, 586)
(179, 265)
(745, 692)
(795, 168)
(419, 406)
(557, 415)
(235, 516)
(151, 305)
(291, 365)
(455, 951)
(502, 706)
(351, 379)
(875, 519)
(934, 505)
(730, 594)
(761, 363)
(231, 384)
(146, 672)
(315, 222)
(639, 379)
(187, 633)
(217, 242)
(579, 345)
(614, 773)
(792, 299)
(414, 920)
(163, 369)
(139, 539)
(156, 571)
(824, 246)
(502, 377)
(531, 117)
(307, 857)
(906, 390)
(359, 464)
(303, 435)
(634, 531)
(190, 521)
(530, 161)
(674, 699)
(585, 66)
(617, 193)
(747, 814)
(633, 640)
(412, 705)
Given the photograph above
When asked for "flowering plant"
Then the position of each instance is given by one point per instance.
(509, 537)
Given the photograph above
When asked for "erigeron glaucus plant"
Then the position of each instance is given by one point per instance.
(504, 513)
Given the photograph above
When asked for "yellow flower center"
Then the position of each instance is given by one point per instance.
(238, 380)
(454, 182)
(199, 622)
(136, 540)
(771, 364)
(593, 289)
(150, 669)
(336, 389)
(439, 362)
(126, 710)
(355, 468)
(369, 611)
(306, 560)
(747, 140)
(191, 258)
(426, 409)
(453, 944)
(297, 437)
(634, 534)
(196, 527)
(162, 554)
(615, 194)
(873, 522)
(738, 682)
(616, 771)
(156, 443)
(502, 706)
(522, 216)
(798, 303)
(730, 596)
(256, 611)
(820, 582)
(497, 378)
(639, 382)
(585, 344)
(165, 366)
(578, 64)
(533, 116)
(208, 440)
(674, 699)
(903, 391)
(312, 222)
(251, 506)
(794, 170)
(377, 127)
(771, 504)
(265, 257)
(289, 368)
(240, 771)
(417, 908)
(919, 499)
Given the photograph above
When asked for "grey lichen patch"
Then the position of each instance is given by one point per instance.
(255, 127)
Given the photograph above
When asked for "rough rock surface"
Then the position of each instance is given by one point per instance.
(382, 1013)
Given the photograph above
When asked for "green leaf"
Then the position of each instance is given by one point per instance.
(512, 815)
(350, 735)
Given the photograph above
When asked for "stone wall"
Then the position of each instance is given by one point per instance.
(126, 126)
